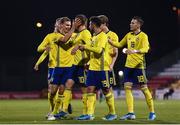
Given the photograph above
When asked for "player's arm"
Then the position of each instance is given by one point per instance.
(101, 40)
(143, 49)
(86, 40)
(40, 60)
(117, 44)
(44, 45)
(92, 49)
(145, 45)
(114, 55)
(98, 49)
(68, 35)
(114, 58)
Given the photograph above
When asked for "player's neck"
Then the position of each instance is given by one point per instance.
(62, 32)
(106, 30)
(81, 28)
(97, 31)
(137, 31)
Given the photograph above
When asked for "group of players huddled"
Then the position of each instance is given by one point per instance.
(86, 57)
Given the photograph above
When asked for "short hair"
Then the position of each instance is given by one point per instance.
(83, 18)
(62, 20)
(95, 20)
(139, 19)
(104, 19)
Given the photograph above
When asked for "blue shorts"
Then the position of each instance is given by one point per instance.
(99, 79)
(61, 75)
(136, 76)
(79, 74)
(112, 79)
(50, 74)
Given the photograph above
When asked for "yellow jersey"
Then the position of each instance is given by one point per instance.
(98, 52)
(135, 42)
(49, 40)
(114, 37)
(64, 57)
(83, 37)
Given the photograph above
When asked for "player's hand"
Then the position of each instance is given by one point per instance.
(111, 67)
(36, 67)
(110, 40)
(86, 67)
(48, 48)
(128, 51)
(73, 52)
(113, 54)
(77, 22)
(73, 25)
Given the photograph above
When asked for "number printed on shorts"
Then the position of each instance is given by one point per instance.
(140, 78)
(111, 80)
(105, 84)
(81, 79)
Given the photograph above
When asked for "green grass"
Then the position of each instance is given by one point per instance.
(34, 111)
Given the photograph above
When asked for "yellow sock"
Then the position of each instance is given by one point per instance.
(90, 103)
(110, 102)
(84, 100)
(129, 98)
(58, 103)
(94, 106)
(67, 98)
(149, 99)
(51, 98)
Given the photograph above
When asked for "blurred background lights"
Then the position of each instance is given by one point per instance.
(39, 24)
(120, 73)
(174, 8)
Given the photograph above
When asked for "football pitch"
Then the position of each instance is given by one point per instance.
(34, 111)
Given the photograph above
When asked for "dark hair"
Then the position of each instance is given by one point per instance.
(62, 20)
(104, 19)
(139, 19)
(83, 18)
(95, 20)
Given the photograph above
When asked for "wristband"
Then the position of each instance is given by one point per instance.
(124, 50)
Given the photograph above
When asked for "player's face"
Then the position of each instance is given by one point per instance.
(91, 26)
(78, 24)
(103, 27)
(134, 25)
(66, 26)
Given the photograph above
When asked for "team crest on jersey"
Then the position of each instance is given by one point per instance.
(137, 39)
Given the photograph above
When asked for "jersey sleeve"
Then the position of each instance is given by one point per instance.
(43, 45)
(122, 43)
(145, 44)
(42, 57)
(102, 40)
(86, 38)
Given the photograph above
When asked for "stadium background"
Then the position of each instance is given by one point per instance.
(20, 36)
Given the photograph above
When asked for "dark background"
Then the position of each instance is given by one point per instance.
(20, 37)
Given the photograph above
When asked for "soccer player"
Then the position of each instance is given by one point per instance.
(48, 48)
(134, 71)
(83, 36)
(64, 60)
(113, 53)
(98, 73)
(80, 59)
